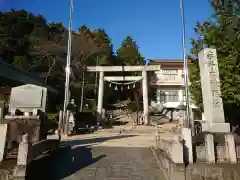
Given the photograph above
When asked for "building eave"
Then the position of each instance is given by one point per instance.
(14, 73)
(171, 62)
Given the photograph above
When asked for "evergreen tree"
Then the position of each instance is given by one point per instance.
(220, 32)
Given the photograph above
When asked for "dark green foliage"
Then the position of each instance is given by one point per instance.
(129, 54)
(29, 42)
(221, 32)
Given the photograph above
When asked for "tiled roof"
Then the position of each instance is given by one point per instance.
(166, 60)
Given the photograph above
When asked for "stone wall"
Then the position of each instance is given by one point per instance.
(173, 148)
(220, 154)
(201, 171)
(173, 171)
(224, 149)
(213, 157)
(197, 171)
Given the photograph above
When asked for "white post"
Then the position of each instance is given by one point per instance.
(1, 115)
(23, 151)
(230, 148)
(100, 95)
(3, 130)
(22, 159)
(180, 95)
(145, 98)
(60, 122)
(209, 148)
(187, 145)
(158, 96)
(66, 128)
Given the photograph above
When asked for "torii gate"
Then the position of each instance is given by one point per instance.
(143, 69)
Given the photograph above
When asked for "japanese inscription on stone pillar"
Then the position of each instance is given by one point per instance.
(210, 82)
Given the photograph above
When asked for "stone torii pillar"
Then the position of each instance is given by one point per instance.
(143, 69)
(100, 95)
(145, 98)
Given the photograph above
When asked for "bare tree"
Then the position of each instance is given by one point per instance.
(84, 46)
(49, 55)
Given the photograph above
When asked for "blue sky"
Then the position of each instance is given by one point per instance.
(154, 24)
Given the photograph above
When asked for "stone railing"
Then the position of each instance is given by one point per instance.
(210, 149)
(171, 169)
(172, 148)
(215, 148)
(28, 152)
(169, 153)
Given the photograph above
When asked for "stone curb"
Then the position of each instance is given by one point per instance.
(159, 162)
(171, 170)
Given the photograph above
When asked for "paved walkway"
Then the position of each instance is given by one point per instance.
(121, 153)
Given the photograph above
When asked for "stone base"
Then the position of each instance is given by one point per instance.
(212, 171)
(216, 127)
(171, 169)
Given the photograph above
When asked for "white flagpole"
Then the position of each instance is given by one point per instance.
(68, 63)
(185, 69)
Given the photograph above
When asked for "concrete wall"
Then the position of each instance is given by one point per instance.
(172, 170)
(197, 171)
(173, 148)
(224, 168)
(212, 172)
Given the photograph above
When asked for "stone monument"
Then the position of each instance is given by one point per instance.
(28, 97)
(212, 101)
